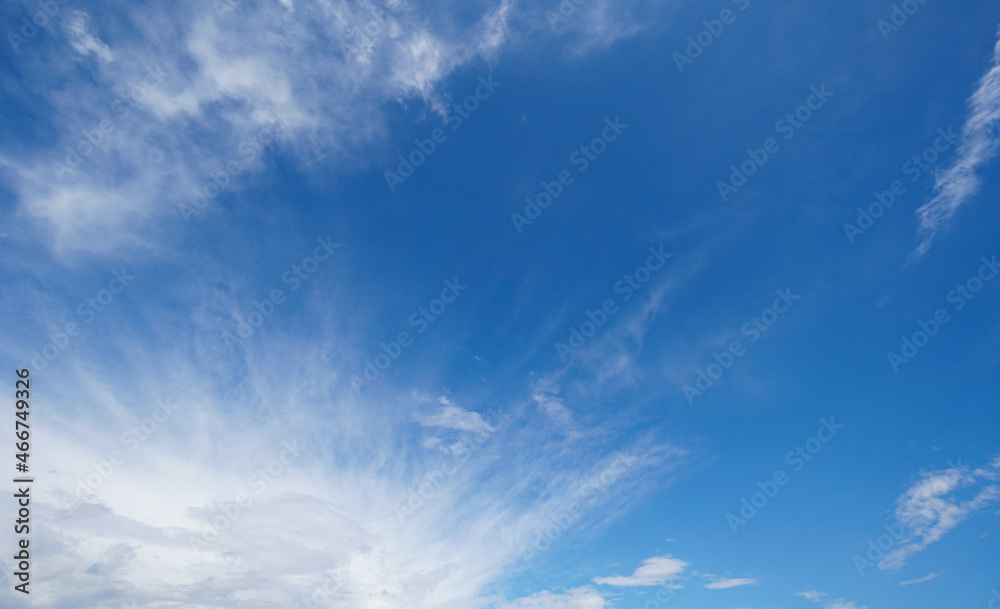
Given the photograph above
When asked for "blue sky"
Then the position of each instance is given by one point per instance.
(641, 304)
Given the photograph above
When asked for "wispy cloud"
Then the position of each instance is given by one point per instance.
(725, 582)
(579, 598)
(817, 597)
(322, 67)
(451, 416)
(920, 580)
(77, 27)
(812, 595)
(980, 139)
(931, 507)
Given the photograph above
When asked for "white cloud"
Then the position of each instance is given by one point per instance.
(725, 582)
(653, 572)
(328, 519)
(931, 507)
(450, 416)
(77, 28)
(920, 580)
(980, 139)
(817, 597)
(841, 604)
(226, 79)
(812, 595)
(578, 598)
(546, 395)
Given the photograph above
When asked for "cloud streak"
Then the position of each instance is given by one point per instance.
(979, 143)
(931, 508)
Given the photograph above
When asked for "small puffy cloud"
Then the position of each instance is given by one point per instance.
(653, 572)
(578, 598)
(546, 395)
(451, 416)
(77, 28)
(812, 595)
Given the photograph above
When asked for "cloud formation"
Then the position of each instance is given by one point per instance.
(979, 143)
(653, 572)
(931, 507)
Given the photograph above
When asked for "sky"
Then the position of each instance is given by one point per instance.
(503, 305)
